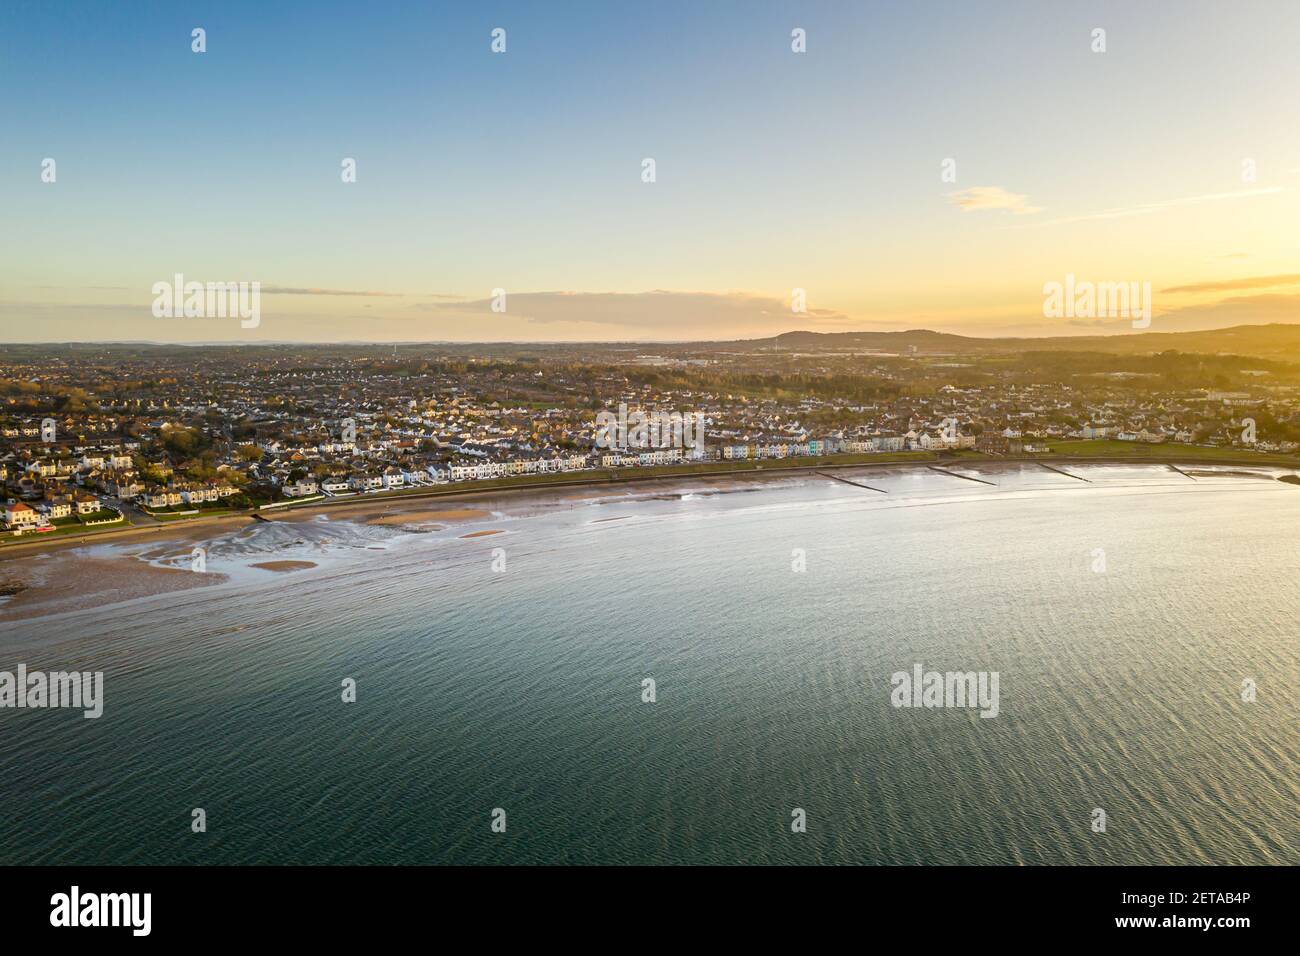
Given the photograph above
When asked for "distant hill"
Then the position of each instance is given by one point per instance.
(1277, 342)
(1266, 341)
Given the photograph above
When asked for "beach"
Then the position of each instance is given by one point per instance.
(71, 581)
(63, 576)
(54, 577)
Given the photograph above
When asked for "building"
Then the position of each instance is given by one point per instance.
(301, 488)
(19, 517)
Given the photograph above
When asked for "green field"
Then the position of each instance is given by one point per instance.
(1130, 449)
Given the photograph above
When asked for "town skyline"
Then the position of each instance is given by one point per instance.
(122, 435)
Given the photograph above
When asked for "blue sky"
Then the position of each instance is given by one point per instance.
(522, 171)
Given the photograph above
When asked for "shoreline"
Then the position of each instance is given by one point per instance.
(178, 530)
(67, 576)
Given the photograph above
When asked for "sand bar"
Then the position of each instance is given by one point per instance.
(285, 565)
(422, 517)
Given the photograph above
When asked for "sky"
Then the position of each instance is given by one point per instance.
(1172, 158)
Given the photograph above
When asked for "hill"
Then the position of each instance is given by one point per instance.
(1265, 341)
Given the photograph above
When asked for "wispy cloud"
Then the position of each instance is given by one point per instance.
(96, 288)
(981, 198)
(1264, 309)
(1143, 209)
(659, 309)
(282, 290)
(1250, 282)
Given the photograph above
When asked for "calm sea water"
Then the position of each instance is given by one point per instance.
(1120, 687)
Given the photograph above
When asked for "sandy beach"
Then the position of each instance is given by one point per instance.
(73, 581)
(56, 576)
(51, 577)
(88, 572)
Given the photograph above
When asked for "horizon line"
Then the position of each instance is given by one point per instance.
(912, 331)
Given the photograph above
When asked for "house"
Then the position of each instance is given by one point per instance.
(223, 488)
(125, 487)
(86, 504)
(55, 508)
(302, 487)
(660, 456)
(161, 498)
(192, 495)
(19, 517)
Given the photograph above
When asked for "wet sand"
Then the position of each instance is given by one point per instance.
(285, 565)
(65, 576)
(481, 534)
(72, 581)
(423, 517)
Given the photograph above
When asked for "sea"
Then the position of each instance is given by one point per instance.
(696, 672)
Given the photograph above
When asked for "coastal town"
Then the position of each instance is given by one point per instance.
(100, 434)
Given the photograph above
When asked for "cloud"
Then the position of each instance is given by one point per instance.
(1143, 209)
(282, 290)
(978, 198)
(660, 310)
(1237, 310)
(1250, 282)
(96, 288)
